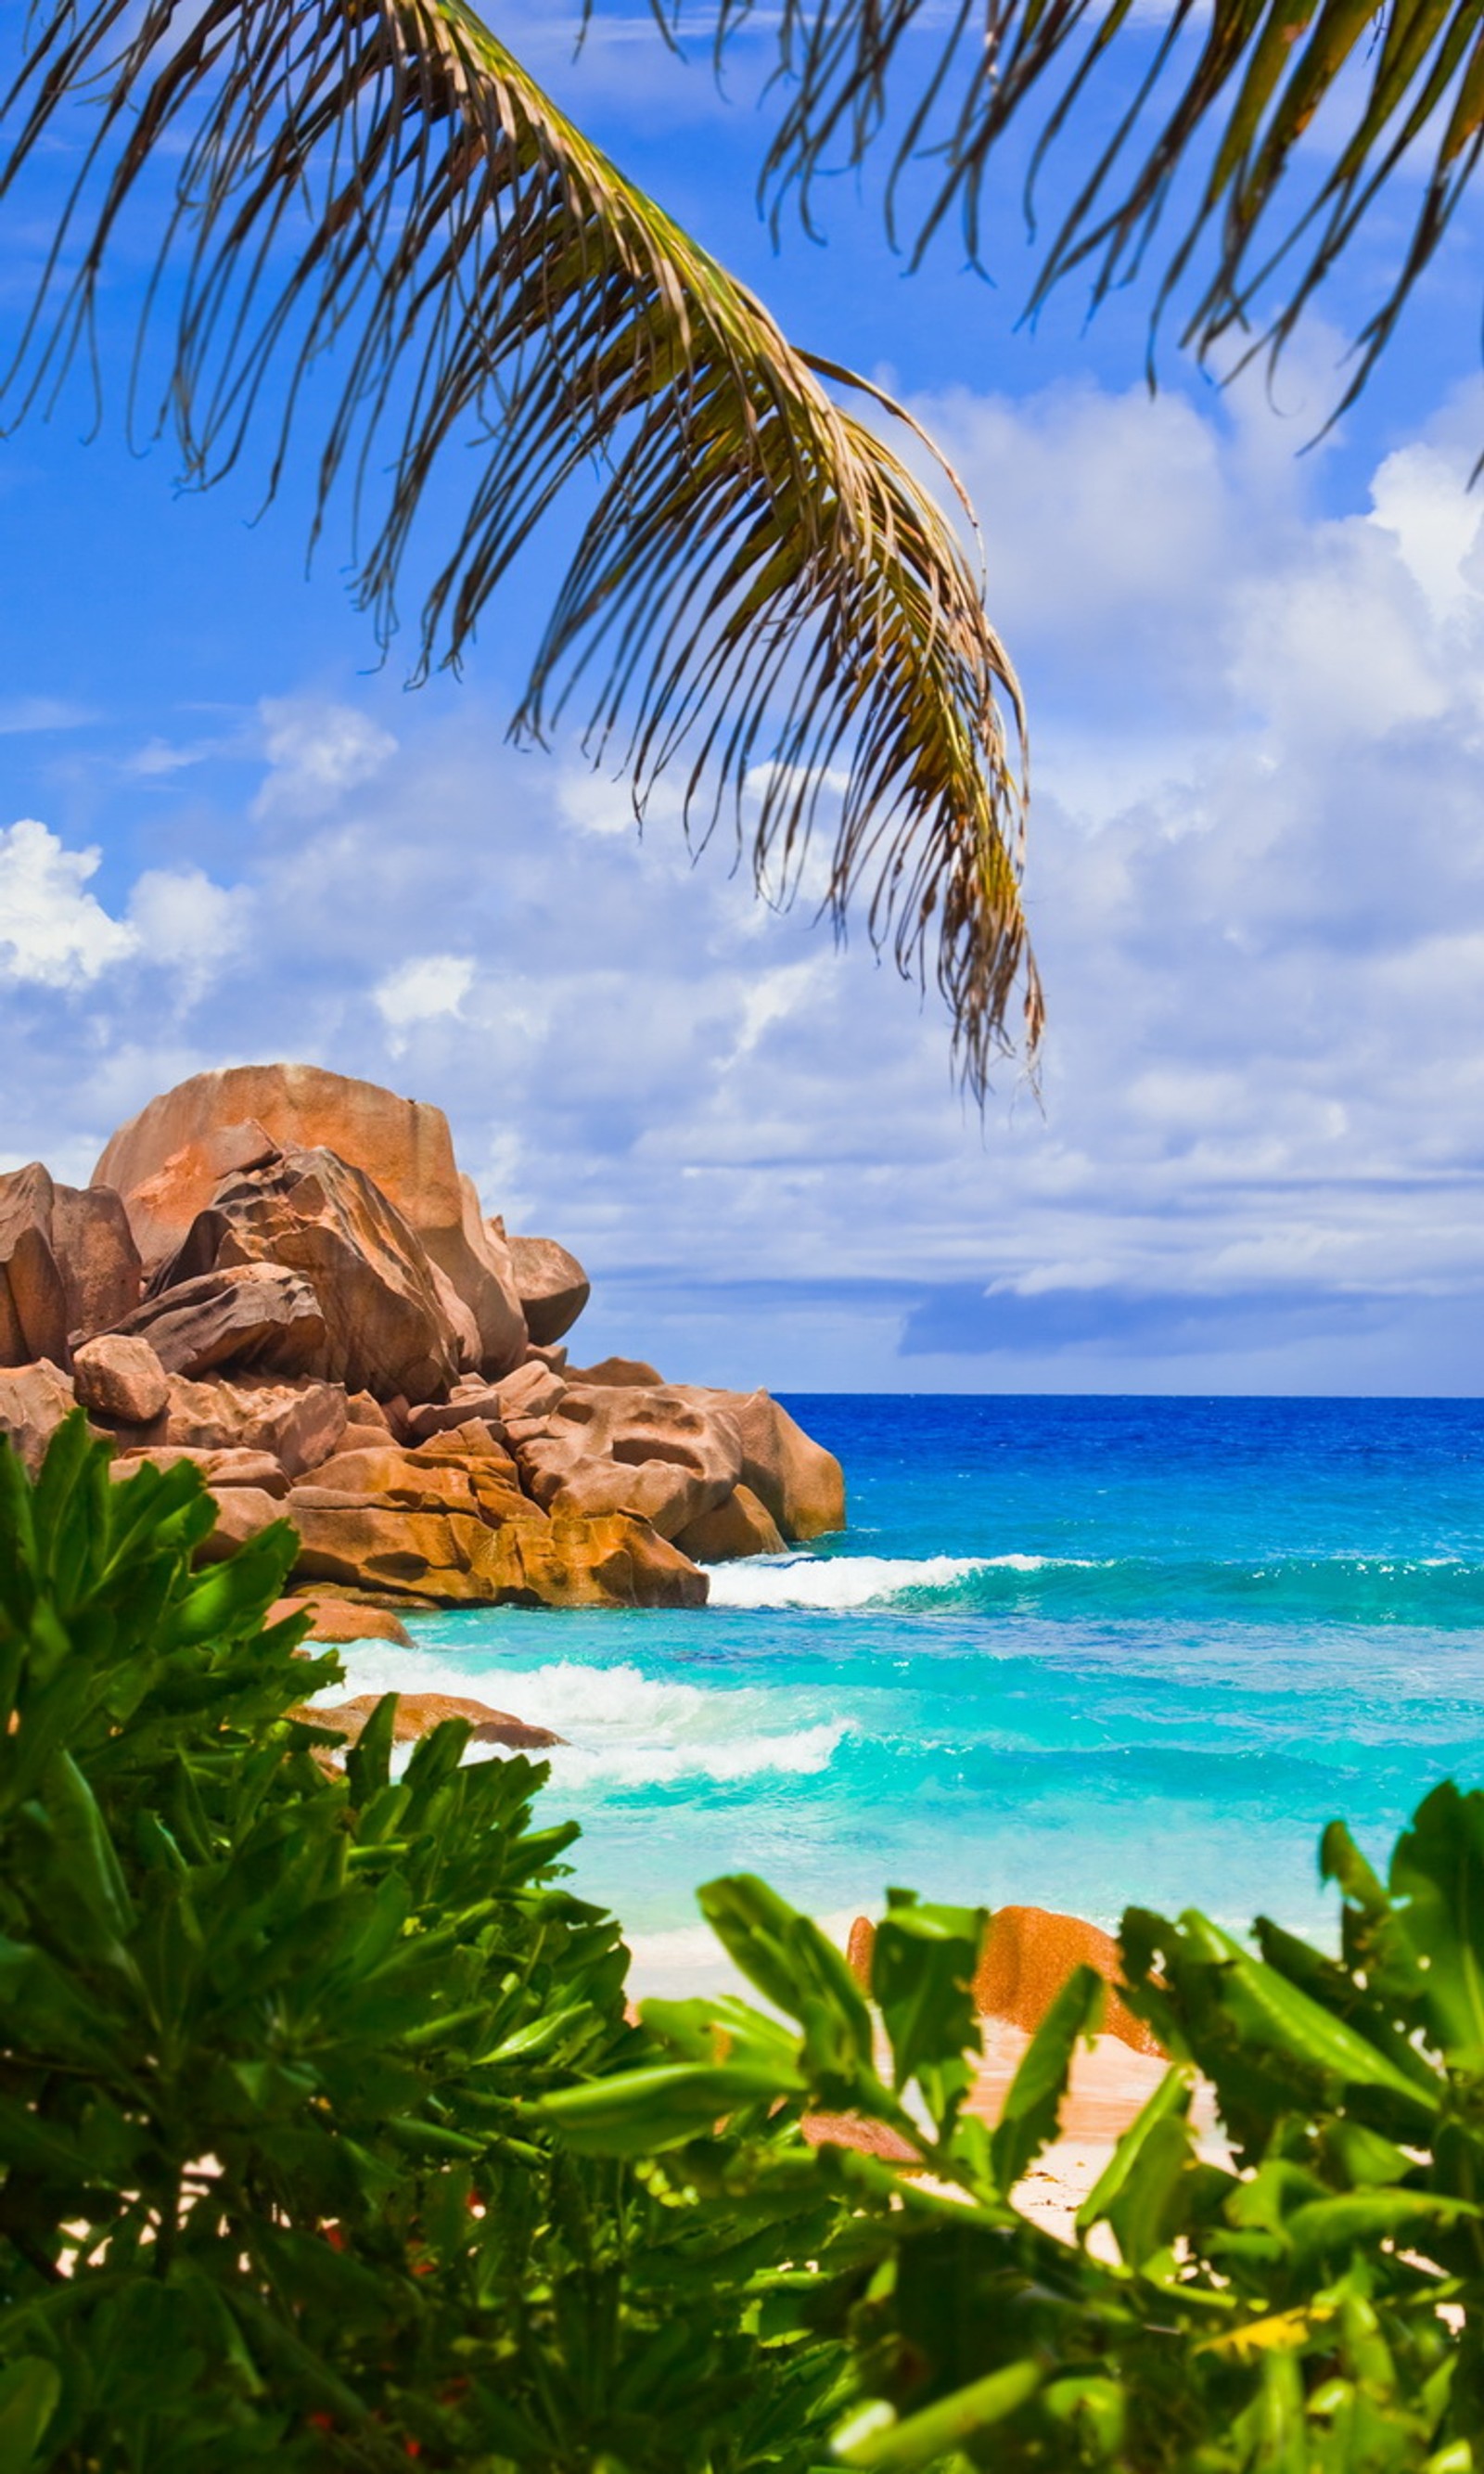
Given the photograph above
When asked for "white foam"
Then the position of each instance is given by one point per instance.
(622, 1727)
(846, 1581)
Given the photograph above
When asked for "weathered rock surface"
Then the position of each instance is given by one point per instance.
(402, 1145)
(664, 1455)
(161, 1208)
(300, 1423)
(532, 1391)
(418, 1713)
(313, 1215)
(244, 1315)
(241, 1512)
(97, 1257)
(33, 1295)
(258, 1471)
(552, 1286)
(739, 1526)
(624, 1372)
(121, 1379)
(341, 1619)
(801, 1483)
(34, 1401)
(1029, 1954)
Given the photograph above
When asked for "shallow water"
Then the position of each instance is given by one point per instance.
(1074, 1652)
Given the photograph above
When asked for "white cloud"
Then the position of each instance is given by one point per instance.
(53, 934)
(423, 991)
(189, 926)
(317, 752)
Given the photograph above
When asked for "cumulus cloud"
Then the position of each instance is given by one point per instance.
(422, 990)
(317, 752)
(53, 933)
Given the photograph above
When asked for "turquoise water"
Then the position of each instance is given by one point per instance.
(1072, 1652)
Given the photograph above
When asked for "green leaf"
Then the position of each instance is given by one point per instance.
(924, 2439)
(29, 2392)
(639, 2111)
(923, 1976)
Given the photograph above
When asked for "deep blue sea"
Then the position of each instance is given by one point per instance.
(1077, 1652)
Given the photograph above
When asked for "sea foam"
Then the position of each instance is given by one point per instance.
(623, 1729)
(846, 1581)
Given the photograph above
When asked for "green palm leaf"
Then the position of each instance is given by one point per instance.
(1197, 119)
(375, 206)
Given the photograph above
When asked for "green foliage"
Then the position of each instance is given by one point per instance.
(326, 2139)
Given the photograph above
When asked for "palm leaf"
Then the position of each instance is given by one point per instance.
(1199, 118)
(375, 207)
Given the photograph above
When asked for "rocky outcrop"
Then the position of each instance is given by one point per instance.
(418, 1713)
(801, 1485)
(552, 1286)
(1029, 1952)
(300, 1423)
(121, 1379)
(739, 1526)
(34, 1401)
(385, 1329)
(403, 1146)
(339, 1621)
(242, 1316)
(333, 1332)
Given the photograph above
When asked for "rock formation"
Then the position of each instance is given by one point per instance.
(332, 1330)
(1029, 1952)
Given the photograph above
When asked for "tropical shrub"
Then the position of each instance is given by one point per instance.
(326, 2138)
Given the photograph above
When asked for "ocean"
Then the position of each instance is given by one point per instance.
(1072, 1652)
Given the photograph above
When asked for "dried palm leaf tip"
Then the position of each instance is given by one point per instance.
(763, 595)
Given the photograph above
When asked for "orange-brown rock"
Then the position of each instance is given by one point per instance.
(453, 1558)
(97, 1257)
(300, 1423)
(243, 1315)
(121, 1379)
(364, 1439)
(162, 1205)
(258, 1471)
(361, 1410)
(1029, 1954)
(418, 1713)
(342, 1620)
(739, 1526)
(801, 1483)
(532, 1391)
(241, 1512)
(473, 1441)
(625, 1371)
(34, 1401)
(663, 1455)
(440, 1416)
(314, 1216)
(552, 1286)
(402, 1145)
(33, 1295)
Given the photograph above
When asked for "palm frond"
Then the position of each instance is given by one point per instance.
(1200, 116)
(372, 204)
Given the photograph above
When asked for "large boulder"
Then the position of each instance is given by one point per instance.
(740, 1526)
(162, 1207)
(1029, 1952)
(121, 1379)
(300, 1423)
(69, 1264)
(552, 1285)
(418, 1713)
(242, 1315)
(32, 1294)
(663, 1455)
(315, 1215)
(403, 1146)
(34, 1401)
(258, 1471)
(801, 1485)
(338, 1620)
(102, 1276)
(420, 1557)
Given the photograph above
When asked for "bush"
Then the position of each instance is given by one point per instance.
(326, 2141)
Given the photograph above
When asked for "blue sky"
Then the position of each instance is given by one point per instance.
(1257, 684)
